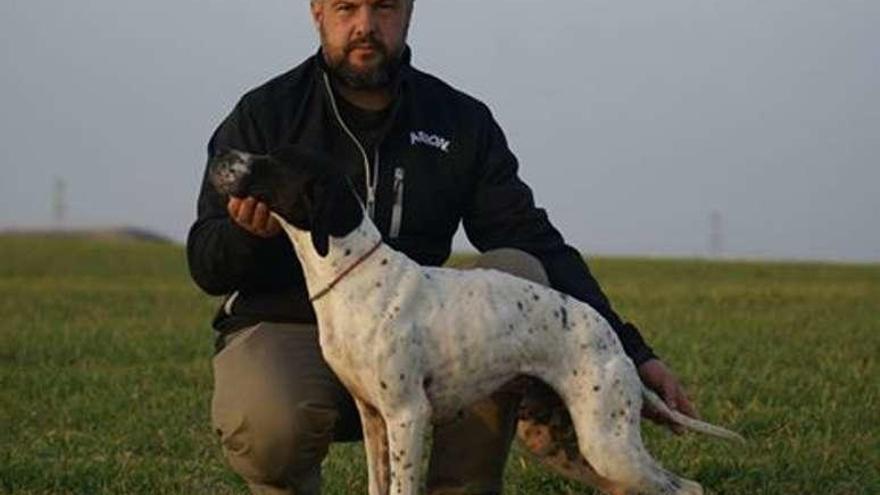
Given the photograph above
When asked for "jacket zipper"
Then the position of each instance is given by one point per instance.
(372, 177)
(397, 209)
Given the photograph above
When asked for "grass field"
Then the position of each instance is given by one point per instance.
(105, 376)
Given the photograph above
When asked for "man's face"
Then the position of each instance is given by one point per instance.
(362, 40)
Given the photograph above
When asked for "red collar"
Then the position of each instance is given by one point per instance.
(345, 272)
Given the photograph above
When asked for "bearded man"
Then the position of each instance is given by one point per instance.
(424, 157)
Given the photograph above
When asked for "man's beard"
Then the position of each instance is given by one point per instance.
(376, 77)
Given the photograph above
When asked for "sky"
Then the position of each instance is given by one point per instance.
(636, 123)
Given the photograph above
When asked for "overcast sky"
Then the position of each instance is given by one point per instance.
(633, 120)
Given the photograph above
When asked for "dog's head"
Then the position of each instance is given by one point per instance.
(303, 187)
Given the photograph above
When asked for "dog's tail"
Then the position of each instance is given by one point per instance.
(688, 422)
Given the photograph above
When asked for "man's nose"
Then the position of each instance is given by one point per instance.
(365, 21)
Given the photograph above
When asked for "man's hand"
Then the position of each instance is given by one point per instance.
(253, 216)
(660, 379)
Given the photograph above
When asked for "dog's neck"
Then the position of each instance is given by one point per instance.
(343, 252)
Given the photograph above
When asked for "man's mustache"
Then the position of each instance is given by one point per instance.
(366, 42)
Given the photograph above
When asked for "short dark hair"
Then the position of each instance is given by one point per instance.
(313, 1)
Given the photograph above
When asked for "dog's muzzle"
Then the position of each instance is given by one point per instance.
(229, 172)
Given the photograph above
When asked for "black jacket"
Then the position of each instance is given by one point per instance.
(443, 160)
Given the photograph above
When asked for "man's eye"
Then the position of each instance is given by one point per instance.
(344, 7)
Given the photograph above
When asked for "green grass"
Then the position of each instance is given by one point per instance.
(105, 376)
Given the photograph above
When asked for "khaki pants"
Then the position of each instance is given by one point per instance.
(277, 406)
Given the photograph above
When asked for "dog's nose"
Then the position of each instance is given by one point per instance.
(229, 172)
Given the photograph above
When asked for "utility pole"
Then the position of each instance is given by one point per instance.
(716, 234)
(59, 202)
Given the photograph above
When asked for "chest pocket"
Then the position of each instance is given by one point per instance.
(426, 194)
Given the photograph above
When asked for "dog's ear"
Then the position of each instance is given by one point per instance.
(314, 195)
(320, 207)
(334, 210)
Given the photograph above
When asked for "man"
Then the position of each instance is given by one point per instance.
(423, 157)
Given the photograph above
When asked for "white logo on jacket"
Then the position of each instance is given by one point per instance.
(429, 139)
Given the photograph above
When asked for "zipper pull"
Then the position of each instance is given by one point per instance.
(397, 208)
(398, 180)
(371, 201)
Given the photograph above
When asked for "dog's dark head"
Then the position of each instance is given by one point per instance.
(303, 187)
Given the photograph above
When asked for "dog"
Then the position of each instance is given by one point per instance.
(416, 344)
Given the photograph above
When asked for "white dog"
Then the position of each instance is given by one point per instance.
(415, 344)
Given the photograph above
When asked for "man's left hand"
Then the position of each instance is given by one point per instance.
(660, 379)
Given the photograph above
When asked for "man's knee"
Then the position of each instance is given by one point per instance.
(273, 444)
(275, 407)
(515, 262)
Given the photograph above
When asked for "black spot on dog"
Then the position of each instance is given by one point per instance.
(383, 385)
(378, 284)
(428, 276)
(519, 305)
(384, 261)
(402, 377)
(348, 252)
(564, 314)
(427, 381)
(596, 388)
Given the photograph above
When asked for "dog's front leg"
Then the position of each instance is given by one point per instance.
(376, 446)
(406, 437)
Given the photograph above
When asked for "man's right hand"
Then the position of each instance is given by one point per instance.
(253, 216)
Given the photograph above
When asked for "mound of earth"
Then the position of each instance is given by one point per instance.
(106, 234)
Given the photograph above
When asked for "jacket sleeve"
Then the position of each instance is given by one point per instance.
(502, 213)
(222, 256)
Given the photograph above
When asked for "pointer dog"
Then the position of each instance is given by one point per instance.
(416, 344)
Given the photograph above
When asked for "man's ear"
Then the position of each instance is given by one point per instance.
(317, 8)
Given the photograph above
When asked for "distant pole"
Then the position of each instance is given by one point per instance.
(716, 234)
(59, 202)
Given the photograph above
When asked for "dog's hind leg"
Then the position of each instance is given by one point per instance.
(606, 413)
(376, 446)
(545, 431)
